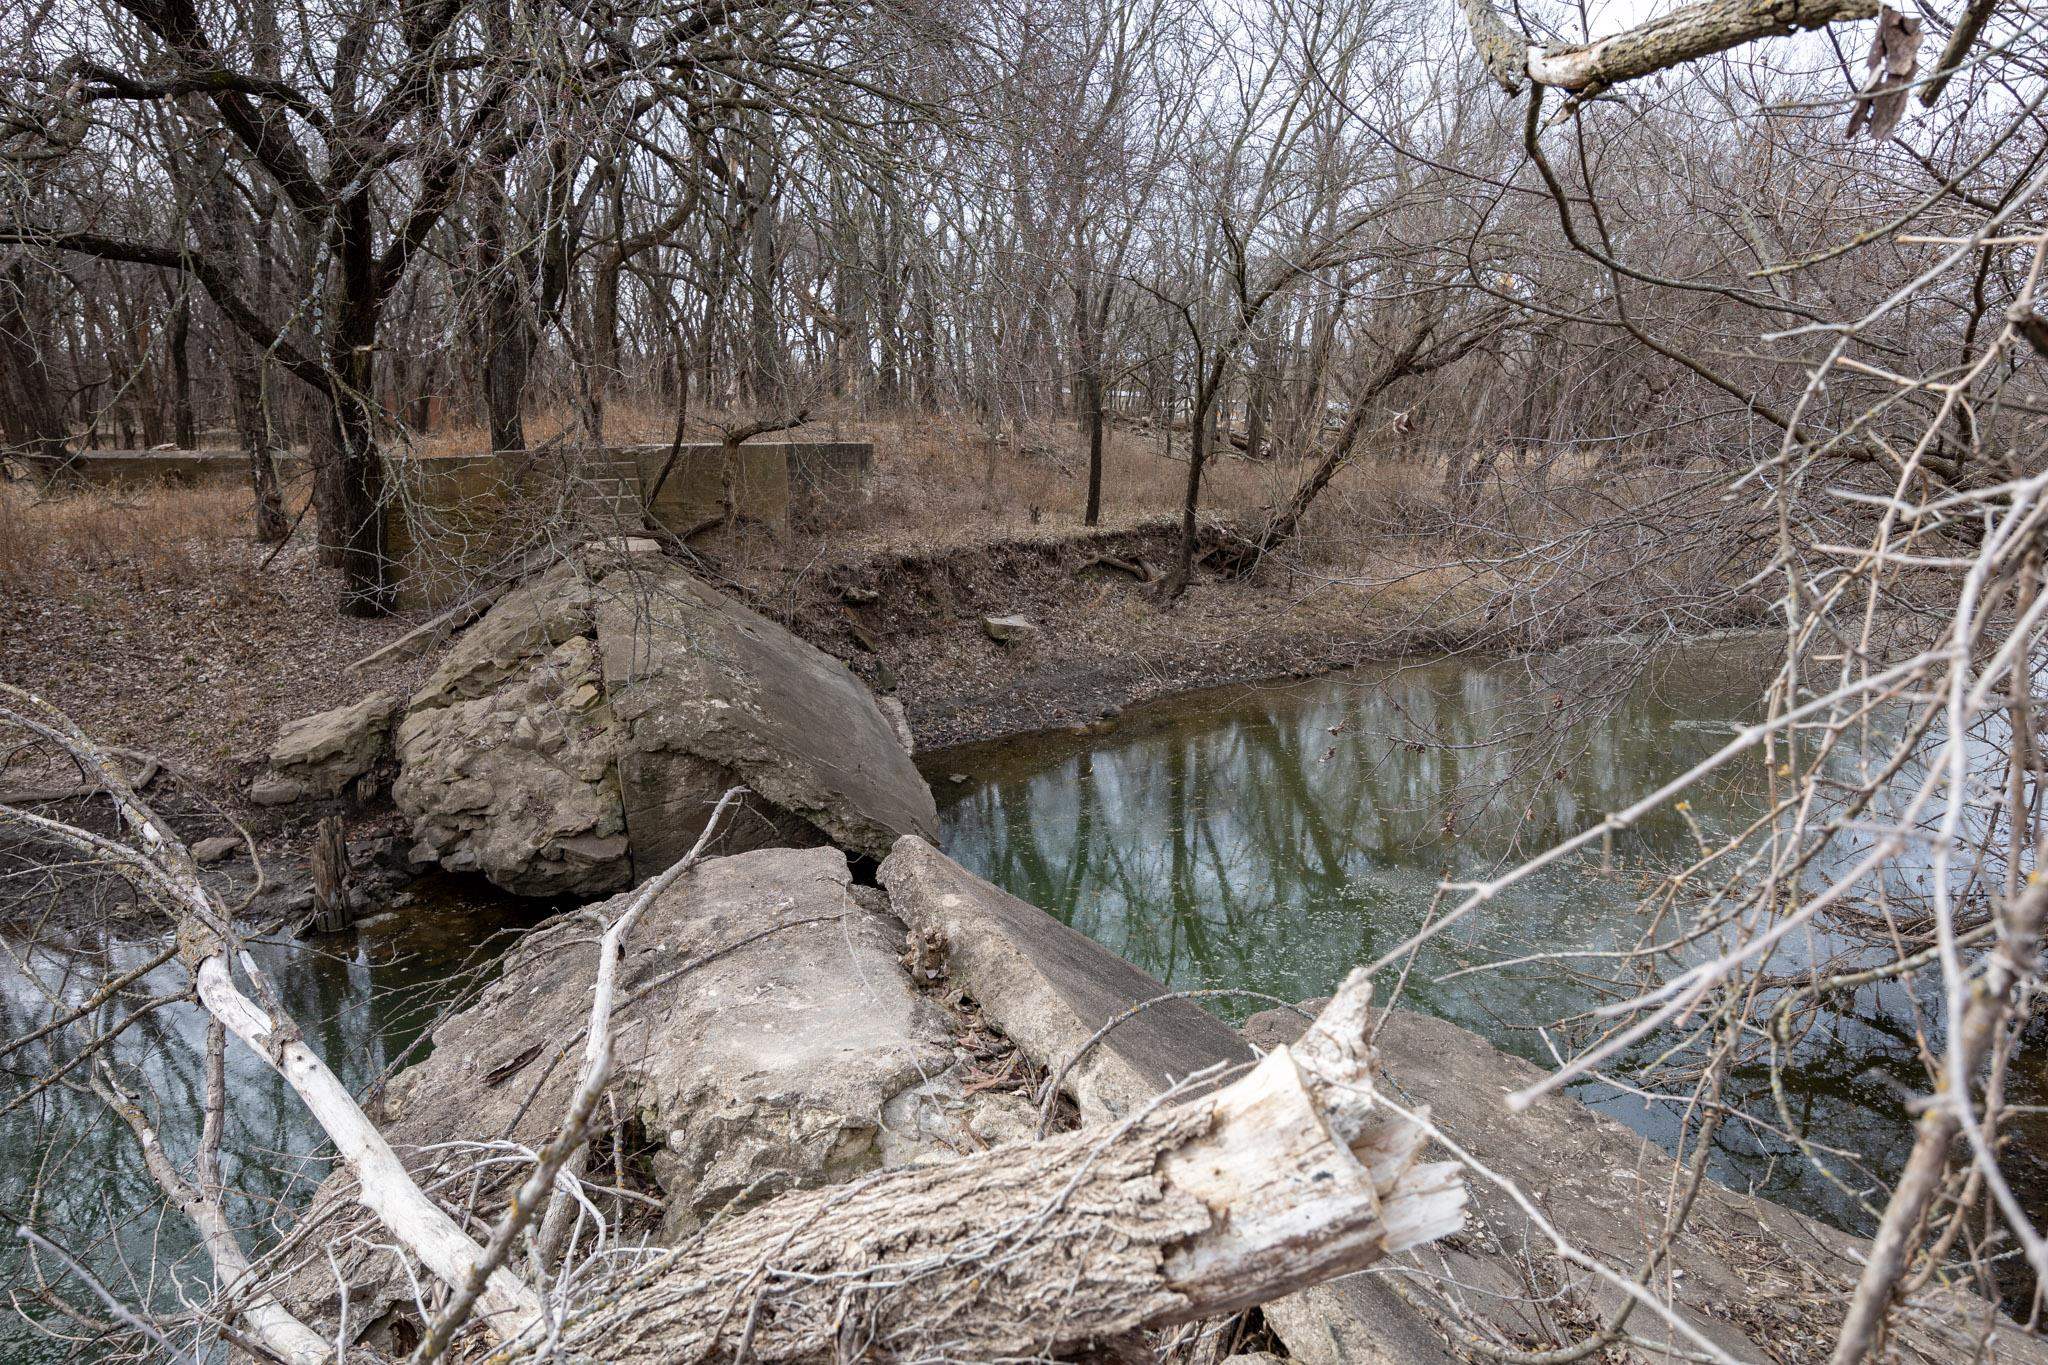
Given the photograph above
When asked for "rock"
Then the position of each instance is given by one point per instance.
(1252, 1358)
(1356, 1320)
(215, 849)
(1049, 988)
(578, 737)
(937, 1118)
(777, 1030)
(381, 849)
(862, 636)
(1006, 629)
(521, 784)
(324, 753)
(527, 624)
(271, 790)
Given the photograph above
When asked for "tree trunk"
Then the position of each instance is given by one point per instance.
(353, 485)
(1292, 1175)
(224, 229)
(350, 483)
(1093, 515)
(245, 377)
(184, 428)
(764, 338)
(1198, 453)
(508, 345)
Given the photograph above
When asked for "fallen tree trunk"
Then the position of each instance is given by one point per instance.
(1289, 1176)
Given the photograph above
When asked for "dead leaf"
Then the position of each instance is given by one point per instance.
(1887, 71)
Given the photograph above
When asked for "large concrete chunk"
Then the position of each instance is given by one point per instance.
(764, 1026)
(1050, 988)
(712, 692)
(777, 1026)
(578, 737)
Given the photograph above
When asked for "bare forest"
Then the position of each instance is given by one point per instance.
(527, 525)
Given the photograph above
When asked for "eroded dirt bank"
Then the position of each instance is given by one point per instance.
(1095, 637)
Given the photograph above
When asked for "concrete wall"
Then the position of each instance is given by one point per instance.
(696, 488)
(453, 520)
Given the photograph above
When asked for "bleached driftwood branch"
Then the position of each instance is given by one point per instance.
(1289, 1176)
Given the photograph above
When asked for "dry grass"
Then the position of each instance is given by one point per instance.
(64, 542)
(150, 616)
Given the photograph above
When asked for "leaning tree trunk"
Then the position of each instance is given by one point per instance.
(1406, 360)
(1297, 1172)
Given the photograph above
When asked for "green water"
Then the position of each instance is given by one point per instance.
(77, 1175)
(1270, 838)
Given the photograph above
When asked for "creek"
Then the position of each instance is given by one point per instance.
(1260, 838)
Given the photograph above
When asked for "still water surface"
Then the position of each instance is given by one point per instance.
(1270, 838)
(77, 1175)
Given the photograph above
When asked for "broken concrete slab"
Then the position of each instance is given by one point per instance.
(763, 1029)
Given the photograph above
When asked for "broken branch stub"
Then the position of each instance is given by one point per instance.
(1289, 1176)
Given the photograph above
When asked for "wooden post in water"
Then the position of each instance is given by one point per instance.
(331, 878)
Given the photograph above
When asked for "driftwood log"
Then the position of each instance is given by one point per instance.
(1294, 1173)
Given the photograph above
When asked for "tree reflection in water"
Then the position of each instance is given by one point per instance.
(1272, 837)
